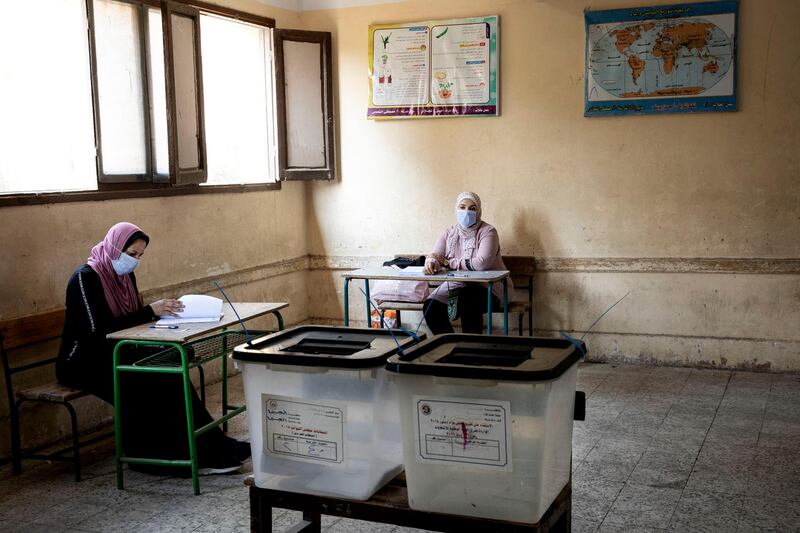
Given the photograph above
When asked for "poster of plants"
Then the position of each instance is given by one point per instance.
(441, 68)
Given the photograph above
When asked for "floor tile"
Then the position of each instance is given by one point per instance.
(770, 514)
(592, 497)
(657, 468)
(643, 506)
(707, 512)
(581, 524)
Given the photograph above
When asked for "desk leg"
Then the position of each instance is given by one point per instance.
(279, 317)
(369, 306)
(346, 301)
(187, 398)
(117, 420)
(260, 512)
(489, 309)
(312, 521)
(224, 376)
(505, 306)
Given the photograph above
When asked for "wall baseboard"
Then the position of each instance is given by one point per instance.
(664, 265)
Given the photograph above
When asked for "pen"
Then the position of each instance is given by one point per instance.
(163, 326)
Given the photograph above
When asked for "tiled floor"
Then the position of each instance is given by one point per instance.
(662, 449)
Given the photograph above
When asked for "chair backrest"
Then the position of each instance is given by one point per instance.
(25, 331)
(522, 268)
(32, 329)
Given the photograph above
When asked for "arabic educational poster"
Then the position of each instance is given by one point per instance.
(439, 68)
(665, 59)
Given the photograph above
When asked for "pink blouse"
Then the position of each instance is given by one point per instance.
(485, 256)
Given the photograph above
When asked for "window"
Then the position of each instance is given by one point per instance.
(46, 130)
(162, 96)
(122, 93)
(239, 101)
(305, 105)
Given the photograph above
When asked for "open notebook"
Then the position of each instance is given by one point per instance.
(197, 308)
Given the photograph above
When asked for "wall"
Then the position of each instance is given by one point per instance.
(255, 243)
(696, 215)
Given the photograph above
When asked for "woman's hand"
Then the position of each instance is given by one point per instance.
(443, 261)
(435, 263)
(167, 307)
(432, 266)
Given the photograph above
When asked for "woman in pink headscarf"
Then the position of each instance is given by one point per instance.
(102, 297)
(469, 244)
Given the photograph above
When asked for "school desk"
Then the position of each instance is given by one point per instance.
(189, 346)
(489, 277)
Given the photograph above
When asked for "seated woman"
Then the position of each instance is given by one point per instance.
(102, 297)
(470, 244)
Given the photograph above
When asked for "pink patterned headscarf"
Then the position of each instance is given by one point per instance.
(119, 290)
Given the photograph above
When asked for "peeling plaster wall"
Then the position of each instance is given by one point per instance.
(662, 191)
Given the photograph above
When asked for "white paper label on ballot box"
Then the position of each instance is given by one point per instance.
(297, 429)
(463, 431)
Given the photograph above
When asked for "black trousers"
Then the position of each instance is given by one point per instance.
(153, 411)
(470, 309)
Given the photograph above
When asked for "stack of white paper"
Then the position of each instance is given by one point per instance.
(196, 308)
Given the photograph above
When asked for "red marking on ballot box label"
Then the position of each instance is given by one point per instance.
(464, 433)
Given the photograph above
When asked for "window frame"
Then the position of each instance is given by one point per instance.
(110, 187)
(323, 39)
(197, 175)
(148, 176)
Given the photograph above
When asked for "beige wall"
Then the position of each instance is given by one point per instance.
(648, 192)
(254, 242)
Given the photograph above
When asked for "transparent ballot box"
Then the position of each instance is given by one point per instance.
(322, 414)
(487, 423)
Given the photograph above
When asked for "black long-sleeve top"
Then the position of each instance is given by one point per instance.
(85, 357)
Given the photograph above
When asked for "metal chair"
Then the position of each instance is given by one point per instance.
(52, 393)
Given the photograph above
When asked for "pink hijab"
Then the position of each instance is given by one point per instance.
(119, 290)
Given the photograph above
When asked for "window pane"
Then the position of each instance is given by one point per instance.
(120, 80)
(304, 112)
(237, 89)
(158, 92)
(46, 129)
(185, 91)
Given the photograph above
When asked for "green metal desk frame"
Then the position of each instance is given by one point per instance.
(488, 300)
(228, 412)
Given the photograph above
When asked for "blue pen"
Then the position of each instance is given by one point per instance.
(163, 326)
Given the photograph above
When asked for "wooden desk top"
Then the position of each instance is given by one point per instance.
(187, 332)
(452, 275)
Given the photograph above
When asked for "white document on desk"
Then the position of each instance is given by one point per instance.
(408, 270)
(197, 308)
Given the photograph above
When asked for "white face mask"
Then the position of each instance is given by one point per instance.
(125, 264)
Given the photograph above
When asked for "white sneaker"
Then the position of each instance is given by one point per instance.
(224, 466)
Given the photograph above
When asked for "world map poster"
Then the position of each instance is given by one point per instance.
(665, 59)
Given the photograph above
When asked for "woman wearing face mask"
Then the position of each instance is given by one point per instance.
(469, 244)
(102, 297)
